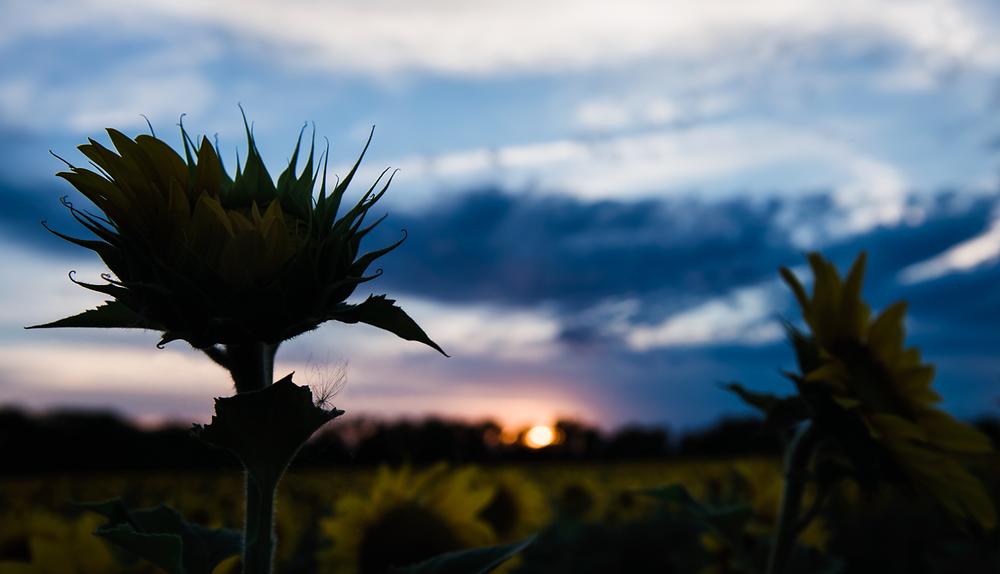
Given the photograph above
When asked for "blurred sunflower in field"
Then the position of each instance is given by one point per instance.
(873, 395)
(518, 506)
(220, 260)
(38, 542)
(407, 517)
(579, 498)
(627, 505)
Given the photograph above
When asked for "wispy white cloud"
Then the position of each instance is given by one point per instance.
(160, 84)
(650, 163)
(743, 317)
(982, 249)
(603, 115)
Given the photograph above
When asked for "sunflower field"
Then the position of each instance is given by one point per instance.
(717, 516)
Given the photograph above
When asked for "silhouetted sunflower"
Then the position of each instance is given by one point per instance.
(518, 506)
(579, 499)
(861, 365)
(406, 518)
(220, 260)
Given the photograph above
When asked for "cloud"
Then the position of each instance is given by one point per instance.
(454, 37)
(527, 250)
(160, 81)
(717, 161)
(638, 112)
(694, 97)
(34, 288)
(980, 250)
(746, 316)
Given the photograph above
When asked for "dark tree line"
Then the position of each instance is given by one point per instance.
(75, 441)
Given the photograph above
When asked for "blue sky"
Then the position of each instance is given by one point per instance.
(597, 196)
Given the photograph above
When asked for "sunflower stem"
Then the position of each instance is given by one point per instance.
(252, 369)
(251, 365)
(796, 475)
(259, 539)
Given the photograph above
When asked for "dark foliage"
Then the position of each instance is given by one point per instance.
(730, 437)
(72, 440)
(77, 440)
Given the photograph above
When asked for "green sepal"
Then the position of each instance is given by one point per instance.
(472, 561)
(110, 315)
(378, 311)
(807, 352)
(265, 428)
(161, 536)
(780, 411)
(254, 182)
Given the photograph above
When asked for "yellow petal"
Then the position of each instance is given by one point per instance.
(887, 331)
(944, 431)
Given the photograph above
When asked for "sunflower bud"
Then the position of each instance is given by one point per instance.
(219, 260)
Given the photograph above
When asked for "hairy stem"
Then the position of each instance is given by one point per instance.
(252, 368)
(796, 474)
(259, 539)
(251, 365)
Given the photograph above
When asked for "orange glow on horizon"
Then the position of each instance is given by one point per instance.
(539, 436)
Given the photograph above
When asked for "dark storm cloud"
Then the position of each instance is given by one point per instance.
(669, 254)
(492, 246)
(28, 198)
(25, 206)
(950, 219)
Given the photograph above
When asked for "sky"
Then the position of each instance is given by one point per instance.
(597, 195)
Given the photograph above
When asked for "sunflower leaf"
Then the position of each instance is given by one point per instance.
(472, 561)
(378, 311)
(161, 536)
(110, 315)
(162, 550)
(266, 428)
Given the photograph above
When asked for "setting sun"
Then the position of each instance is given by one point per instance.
(539, 436)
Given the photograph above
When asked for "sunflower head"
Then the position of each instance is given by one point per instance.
(407, 517)
(863, 360)
(518, 506)
(214, 259)
(579, 499)
(872, 394)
